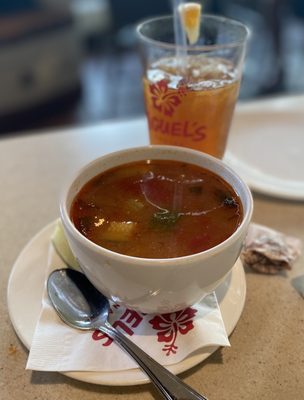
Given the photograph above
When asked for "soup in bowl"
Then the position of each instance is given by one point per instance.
(156, 228)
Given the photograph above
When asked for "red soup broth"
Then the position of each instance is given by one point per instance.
(157, 209)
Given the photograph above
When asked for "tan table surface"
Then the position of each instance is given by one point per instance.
(266, 359)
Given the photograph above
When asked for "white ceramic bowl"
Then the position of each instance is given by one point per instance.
(155, 285)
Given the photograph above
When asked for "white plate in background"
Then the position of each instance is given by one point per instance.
(266, 146)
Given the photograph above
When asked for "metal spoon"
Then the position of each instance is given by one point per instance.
(81, 306)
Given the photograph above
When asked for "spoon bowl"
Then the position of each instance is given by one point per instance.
(78, 303)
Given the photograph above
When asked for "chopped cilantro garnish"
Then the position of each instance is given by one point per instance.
(164, 219)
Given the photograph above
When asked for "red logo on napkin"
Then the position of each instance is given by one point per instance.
(170, 325)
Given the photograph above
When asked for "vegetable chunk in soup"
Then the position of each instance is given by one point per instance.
(157, 209)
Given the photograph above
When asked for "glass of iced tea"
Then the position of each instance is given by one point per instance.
(190, 92)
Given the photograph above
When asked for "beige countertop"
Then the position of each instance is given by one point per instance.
(266, 358)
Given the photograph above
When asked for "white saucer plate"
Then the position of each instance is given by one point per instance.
(25, 289)
(266, 146)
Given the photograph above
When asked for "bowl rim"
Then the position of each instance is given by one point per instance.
(174, 261)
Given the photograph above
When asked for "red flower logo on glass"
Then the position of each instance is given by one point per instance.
(163, 100)
(170, 325)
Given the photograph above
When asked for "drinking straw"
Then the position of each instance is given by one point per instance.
(179, 36)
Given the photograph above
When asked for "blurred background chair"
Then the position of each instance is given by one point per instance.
(67, 62)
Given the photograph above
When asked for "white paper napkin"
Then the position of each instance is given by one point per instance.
(168, 338)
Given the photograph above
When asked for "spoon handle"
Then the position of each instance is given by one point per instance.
(168, 384)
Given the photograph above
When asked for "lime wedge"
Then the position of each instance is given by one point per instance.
(62, 246)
